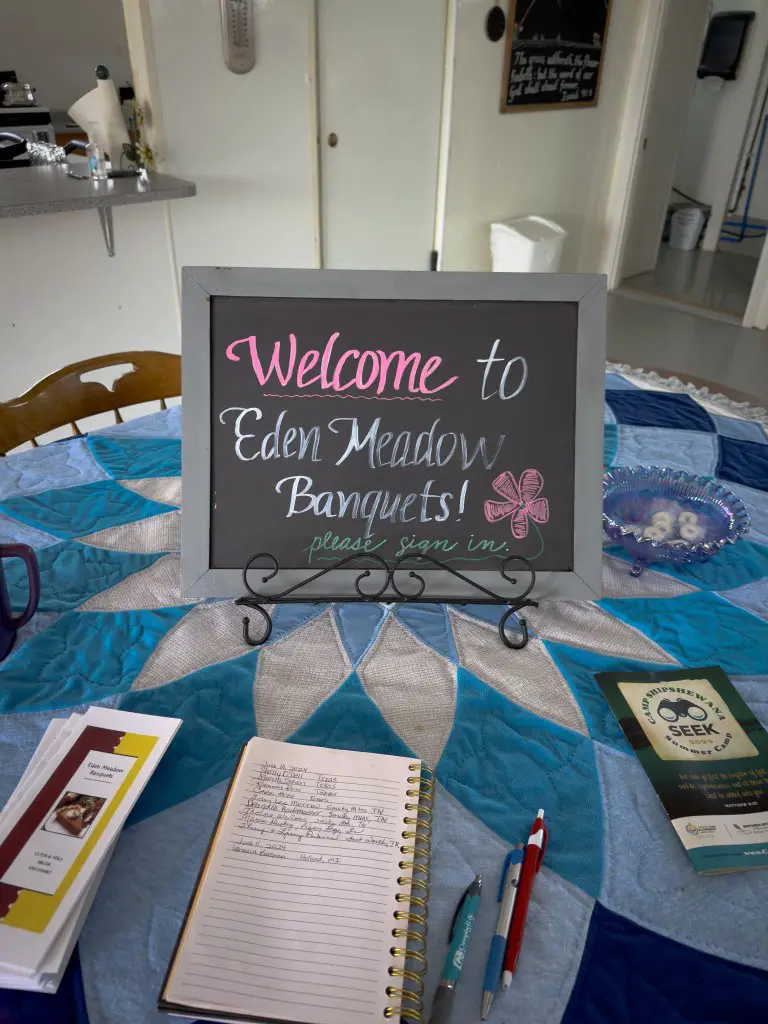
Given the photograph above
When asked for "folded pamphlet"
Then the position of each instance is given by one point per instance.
(707, 757)
(59, 829)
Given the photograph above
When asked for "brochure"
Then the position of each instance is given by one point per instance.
(59, 828)
(707, 757)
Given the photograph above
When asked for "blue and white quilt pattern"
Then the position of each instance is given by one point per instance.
(621, 927)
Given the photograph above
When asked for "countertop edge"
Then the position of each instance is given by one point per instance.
(94, 201)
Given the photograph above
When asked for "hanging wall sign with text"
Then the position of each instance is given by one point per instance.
(335, 413)
(554, 54)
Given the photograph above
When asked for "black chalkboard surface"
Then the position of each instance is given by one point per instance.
(353, 425)
(380, 415)
(554, 53)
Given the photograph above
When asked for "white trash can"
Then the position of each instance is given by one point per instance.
(686, 227)
(526, 244)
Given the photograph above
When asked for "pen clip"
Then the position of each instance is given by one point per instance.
(456, 913)
(544, 840)
(514, 856)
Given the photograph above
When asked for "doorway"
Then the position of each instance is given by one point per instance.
(380, 92)
(694, 231)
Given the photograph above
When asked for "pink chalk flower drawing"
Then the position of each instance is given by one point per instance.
(522, 501)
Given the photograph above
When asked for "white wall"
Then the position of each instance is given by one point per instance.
(63, 299)
(56, 44)
(554, 163)
(758, 208)
(247, 141)
(759, 205)
(695, 145)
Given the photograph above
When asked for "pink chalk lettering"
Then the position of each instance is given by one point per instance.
(427, 370)
(326, 382)
(374, 369)
(307, 362)
(274, 366)
(337, 385)
(361, 384)
(403, 361)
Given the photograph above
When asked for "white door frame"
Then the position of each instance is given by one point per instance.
(630, 148)
(444, 145)
(756, 313)
(141, 53)
(316, 150)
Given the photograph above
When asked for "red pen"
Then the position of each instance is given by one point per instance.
(534, 855)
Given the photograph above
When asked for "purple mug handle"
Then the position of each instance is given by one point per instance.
(25, 552)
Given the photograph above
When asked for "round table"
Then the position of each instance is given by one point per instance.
(621, 928)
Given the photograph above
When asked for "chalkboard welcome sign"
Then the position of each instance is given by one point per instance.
(554, 54)
(386, 414)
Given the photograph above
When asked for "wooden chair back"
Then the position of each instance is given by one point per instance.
(63, 397)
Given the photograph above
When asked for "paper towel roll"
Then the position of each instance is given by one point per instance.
(99, 114)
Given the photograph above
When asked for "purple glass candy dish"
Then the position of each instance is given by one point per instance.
(666, 515)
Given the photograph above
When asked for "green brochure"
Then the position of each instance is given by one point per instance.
(707, 757)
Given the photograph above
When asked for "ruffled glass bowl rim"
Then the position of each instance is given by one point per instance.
(628, 479)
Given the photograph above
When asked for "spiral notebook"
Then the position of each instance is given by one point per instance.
(311, 903)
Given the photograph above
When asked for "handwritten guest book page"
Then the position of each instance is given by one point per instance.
(293, 914)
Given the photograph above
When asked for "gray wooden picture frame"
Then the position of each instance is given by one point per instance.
(199, 284)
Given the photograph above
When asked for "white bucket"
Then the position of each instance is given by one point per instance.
(526, 244)
(686, 227)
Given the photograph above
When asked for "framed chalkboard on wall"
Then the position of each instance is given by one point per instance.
(329, 413)
(554, 54)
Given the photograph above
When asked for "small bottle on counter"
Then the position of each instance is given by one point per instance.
(97, 162)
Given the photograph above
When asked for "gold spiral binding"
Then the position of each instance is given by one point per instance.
(411, 930)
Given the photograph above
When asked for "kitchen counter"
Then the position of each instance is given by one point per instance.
(48, 189)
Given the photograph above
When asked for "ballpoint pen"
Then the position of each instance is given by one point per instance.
(510, 874)
(534, 855)
(461, 929)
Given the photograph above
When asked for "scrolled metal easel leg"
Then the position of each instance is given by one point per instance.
(505, 637)
(245, 601)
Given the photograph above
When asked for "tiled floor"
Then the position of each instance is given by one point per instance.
(716, 281)
(689, 346)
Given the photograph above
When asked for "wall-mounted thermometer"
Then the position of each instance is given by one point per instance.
(238, 36)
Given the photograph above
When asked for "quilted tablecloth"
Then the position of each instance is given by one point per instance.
(621, 928)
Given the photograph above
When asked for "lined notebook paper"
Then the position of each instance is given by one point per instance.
(292, 916)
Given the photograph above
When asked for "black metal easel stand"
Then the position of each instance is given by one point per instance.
(390, 590)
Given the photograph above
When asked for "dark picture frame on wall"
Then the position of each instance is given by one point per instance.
(494, 391)
(554, 54)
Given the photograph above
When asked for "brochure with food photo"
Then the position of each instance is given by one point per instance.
(705, 754)
(58, 830)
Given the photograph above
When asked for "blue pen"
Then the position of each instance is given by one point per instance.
(510, 875)
(461, 929)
